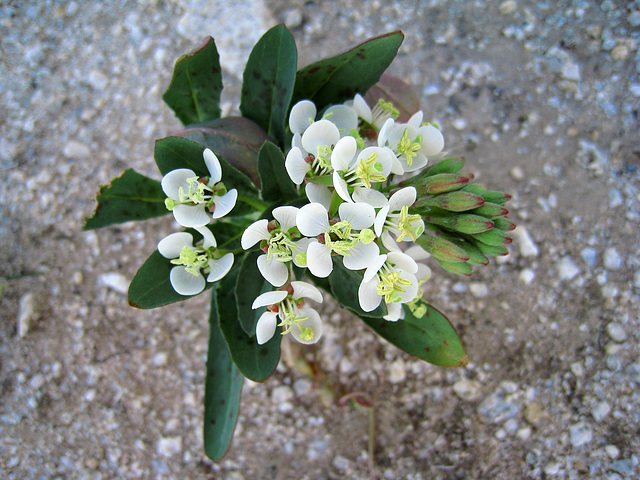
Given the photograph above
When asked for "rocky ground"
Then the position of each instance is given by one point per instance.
(541, 97)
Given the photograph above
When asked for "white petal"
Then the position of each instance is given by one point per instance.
(416, 119)
(384, 156)
(389, 243)
(225, 203)
(207, 235)
(191, 215)
(302, 114)
(296, 167)
(343, 117)
(269, 298)
(362, 108)
(317, 193)
(266, 327)
(368, 296)
(432, 140)
(274, 271)
(402, 262)
(322, 133)
(397, 168)
(306, 290)
(313, 321)
(319, 260)
(394, 311)
(404, 196)
(360, 215)
(383, 135)
(361, 256)
(255, 233)
(220, 267)
(417, 253)
(424, 272)
(186, 283)
(371, 196)
(171, 246)
(343, 153)
(213, 165)
(380, 219)
(175, 179)
(286, 217)
(410, 291)
(341, 187)
(312, 220)
(419, 161)
(374, 268)
(296, 141)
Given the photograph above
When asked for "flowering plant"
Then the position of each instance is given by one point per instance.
(330, 180)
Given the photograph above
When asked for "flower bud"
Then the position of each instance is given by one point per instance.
(446, 165)
(442, 183)
(493, 237)
(442, 250)
(489, 209)
(457, 268)
(454, 201)
(463, 223)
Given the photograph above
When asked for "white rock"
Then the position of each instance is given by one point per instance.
(281, 396)
(97, 79)
(397, 371)
(478, 289)
(616, 332)
(76, 150)
(552, 468)
(527, 275)
(169, 446)
(580, 434)
(114, 280)
(340, 463)
(28, 314)
(612, 451)
(517, 173)
(571, 71)
(527, 247)
(36, 381)
(159, 359)
(459, 123)
(567, 268)
(508, 7)
(467, 390)
(612, 259)
(600, 411)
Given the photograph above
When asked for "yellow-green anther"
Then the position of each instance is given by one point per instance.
(391, 285)
(342, 229)
(409, 148)
(418, 311)
(190, 259)
(280, 247)
(324, 157)
(388, 108)
(433, 124)
(405, 225)
(368, 170)
(170, 203)
(366, 236)
(307, 334)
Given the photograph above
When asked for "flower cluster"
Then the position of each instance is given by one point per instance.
(194, 201)
(345, 163)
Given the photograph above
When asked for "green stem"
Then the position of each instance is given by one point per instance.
(254, 202)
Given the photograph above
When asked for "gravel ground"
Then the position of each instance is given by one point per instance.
(541, 97)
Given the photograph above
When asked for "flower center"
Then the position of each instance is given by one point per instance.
(408, 147)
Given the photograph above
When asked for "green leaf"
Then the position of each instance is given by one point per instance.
(256, 362)
(344, 285)
(337, 79)
(194, 92)
(131, 196)
(250, 284)
(267, 83)
(430, 337)
(222, 390)
(236, 139)
(172, 153)
(276, 183)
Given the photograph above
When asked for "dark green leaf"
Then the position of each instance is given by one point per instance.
(337, 79)
(222, 390)
(344, 285)
(194, 92)
(236, 139)
(250, 284)
(256, 362)
(131, 196)
(267, 83)
(276, 183)
(430, 337)
(176, 152)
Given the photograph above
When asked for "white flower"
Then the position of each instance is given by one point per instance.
(302, 115)
(190, 196)
(192, 261)
(342, 237)
(391, 277)
(395, 218)
(371, 165)
(281, 242)
(382, 111)
(302, 322)
(412, 142)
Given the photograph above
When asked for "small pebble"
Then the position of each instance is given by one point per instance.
(169, 446)
(517, 173)
(567, 268)
(115, 281)
(281, 396)
(580, 434)
(508, 7)
(616, 332)
(552, 468)
(600, 411)
(340, 463)
(524, 241)
(459, 123)
(76, 150)
(478, 289)
(28, 314)
(527, 276)
(620, 52)
(612, 259)
(612, 451)
(397, 371)
(467, 390)
(589, 255)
